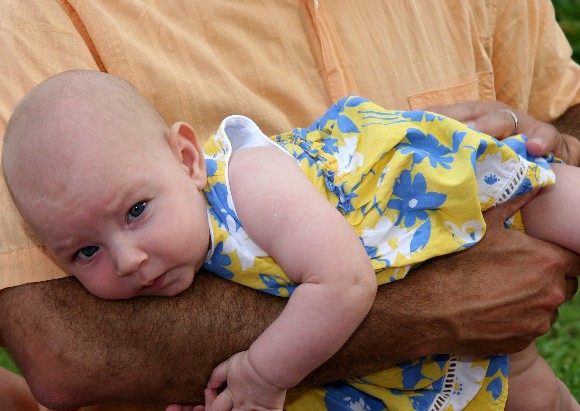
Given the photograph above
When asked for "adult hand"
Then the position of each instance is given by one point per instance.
(512, 291)
(493, 119)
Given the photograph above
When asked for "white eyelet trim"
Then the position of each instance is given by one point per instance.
(444, 396)
(514, 184)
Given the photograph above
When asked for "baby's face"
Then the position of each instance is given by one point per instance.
(135, 224)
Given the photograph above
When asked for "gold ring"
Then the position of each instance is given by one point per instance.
(514, 118)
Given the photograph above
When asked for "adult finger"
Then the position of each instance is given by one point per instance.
(498, 120)
(544, 138)
(496, 216)
(500, 123)
(467, 111)
(493, 118)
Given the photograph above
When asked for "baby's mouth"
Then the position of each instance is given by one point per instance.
(154, 283)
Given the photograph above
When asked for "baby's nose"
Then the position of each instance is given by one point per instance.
(130, 261)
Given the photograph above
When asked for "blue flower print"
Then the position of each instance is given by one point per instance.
(490, 179)
(481, 149)
(421, 236)
(334, 114)
(413, 375)
(329, 145)
(277, 285)
(342, 397)
(426, 145)
(344, 204)
(380, 262)
(218, 262)
(299, 139)
(346, 125)
(413, 199)
(353, 101)
(518, 144)
(497, 363)
(372, 117)
(210, 166)
(418, 115)
(525, 187)
(218, 194)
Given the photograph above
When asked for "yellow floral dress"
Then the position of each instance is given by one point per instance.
(413, 185)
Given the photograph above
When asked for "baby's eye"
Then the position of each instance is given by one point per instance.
(87, 252)
(136, 210)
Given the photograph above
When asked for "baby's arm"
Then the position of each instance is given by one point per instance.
(315, 245)
(554, 215)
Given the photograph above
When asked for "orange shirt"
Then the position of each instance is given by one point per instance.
(282, 63)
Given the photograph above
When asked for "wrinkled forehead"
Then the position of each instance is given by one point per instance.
(85, 166)
(82, 189)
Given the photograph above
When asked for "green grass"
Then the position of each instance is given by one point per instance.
(561, 346)
(6, 361)
(568, 15)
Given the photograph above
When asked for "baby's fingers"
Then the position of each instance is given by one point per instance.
(221, 402)
(181, 407)
(210, 396)
(219, 375)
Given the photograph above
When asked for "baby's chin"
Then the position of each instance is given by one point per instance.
(170, 289)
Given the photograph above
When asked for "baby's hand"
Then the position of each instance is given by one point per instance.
(245, 390)
(184, 407)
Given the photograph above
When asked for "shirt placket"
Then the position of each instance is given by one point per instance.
(336, 68)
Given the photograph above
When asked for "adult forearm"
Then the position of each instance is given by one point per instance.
(76, 349)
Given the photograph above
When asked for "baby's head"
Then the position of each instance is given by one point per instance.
(112, 191)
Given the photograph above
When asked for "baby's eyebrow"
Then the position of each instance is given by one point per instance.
(66, 247)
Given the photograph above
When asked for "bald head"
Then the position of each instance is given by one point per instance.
(65, 120)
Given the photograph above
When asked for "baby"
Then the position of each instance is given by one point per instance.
(132, 207)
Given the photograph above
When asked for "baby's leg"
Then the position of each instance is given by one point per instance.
(554, 215)
(533, 385)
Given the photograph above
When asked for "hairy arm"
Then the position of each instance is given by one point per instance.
(162, 350)
(142, 349)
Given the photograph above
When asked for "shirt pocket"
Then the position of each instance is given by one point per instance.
(479, 88)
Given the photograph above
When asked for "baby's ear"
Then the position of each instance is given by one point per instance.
(187, 148)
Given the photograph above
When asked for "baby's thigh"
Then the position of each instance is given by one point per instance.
(522, 361)
(532, 383)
